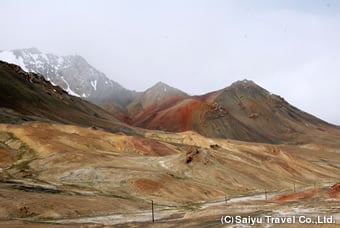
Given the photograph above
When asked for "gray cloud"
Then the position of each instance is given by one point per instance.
(289, 47)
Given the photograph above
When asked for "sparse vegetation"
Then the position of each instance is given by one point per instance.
(117, 169)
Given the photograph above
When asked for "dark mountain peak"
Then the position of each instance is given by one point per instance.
(243, 111)
(162, 88)
(30, 78)
(244, 82)
(155, 98)
(29, 96)
(72, 73)
(246, 88)
(160, 85)
(13, 67)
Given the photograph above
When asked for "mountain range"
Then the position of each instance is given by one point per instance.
(242, 111)
(27, 96)
(65, 160)
(72, 73)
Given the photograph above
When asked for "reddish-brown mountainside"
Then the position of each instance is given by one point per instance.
(242, 111)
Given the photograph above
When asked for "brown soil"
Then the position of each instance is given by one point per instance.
(26, 204)
(6, 158)
(334, 191)
(297, 196)
(147, 185)
(93, 172)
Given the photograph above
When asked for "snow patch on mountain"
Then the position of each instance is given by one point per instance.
(68, 90)
(9, 57)
(60, 61)
(94, 84)
(72, 73)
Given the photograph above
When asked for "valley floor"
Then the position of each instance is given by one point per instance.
(27, 207)
(54, 175)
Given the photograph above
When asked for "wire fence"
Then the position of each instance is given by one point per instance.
(265, 195)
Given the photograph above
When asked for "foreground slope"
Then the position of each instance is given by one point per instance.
(178, 168)
(183, 173)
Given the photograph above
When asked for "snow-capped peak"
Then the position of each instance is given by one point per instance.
(9, 57)
(72, 73)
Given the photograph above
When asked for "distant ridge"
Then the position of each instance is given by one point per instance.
(72, 73)
(29, 96)
(242, 111)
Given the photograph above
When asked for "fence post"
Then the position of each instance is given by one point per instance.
(152, 212)
(265, 193)
(294, 187)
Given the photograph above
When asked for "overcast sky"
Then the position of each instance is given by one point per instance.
(291, 48)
